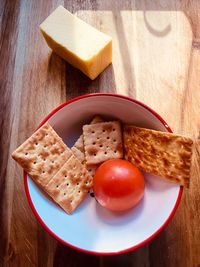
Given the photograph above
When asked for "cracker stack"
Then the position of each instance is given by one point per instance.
(79, 150)
(160, 153)
(52, 165)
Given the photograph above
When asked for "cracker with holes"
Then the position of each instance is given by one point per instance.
(70, 185)
(164, 154)
(78, 148)
(102, 141)
(42, 155)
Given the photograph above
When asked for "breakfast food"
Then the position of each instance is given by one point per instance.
(77, 42)
(102, 141)
(70, 185)
(66, 175)
(79, 151)
(164, 154)
(50, 163)
(118, 185)
(42, 154)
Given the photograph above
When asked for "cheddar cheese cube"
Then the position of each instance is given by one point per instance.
(80, 44)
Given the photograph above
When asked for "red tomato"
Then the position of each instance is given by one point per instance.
(118, 184)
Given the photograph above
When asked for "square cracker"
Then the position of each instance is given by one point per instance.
(79, 151)
(42, 154)
(102, 141)
(70, 185)
(164, 154)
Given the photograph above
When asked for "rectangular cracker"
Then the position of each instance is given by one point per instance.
(102, 141)
(70, 185)
(79, 151)
(164, 154)
(42, 154)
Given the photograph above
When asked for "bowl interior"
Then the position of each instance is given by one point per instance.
(91, 227)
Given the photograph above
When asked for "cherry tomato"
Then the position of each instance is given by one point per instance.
(118, 185)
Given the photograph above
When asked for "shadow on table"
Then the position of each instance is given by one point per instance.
(77, 83)
(65, 256)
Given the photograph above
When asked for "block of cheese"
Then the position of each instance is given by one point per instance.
(77, 42)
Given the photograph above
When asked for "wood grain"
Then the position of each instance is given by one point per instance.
(156, 59)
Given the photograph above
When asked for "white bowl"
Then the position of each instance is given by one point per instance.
(91, 228)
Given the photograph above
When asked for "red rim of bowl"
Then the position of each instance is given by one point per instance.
(90, 251)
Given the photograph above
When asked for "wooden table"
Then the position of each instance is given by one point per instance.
(156, 59)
